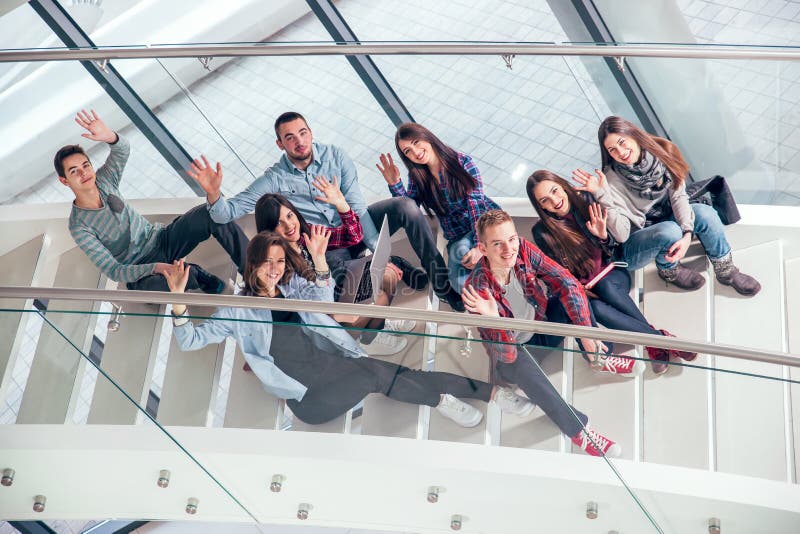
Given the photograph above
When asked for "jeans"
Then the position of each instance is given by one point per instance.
(183, 235)
(653, 242)
(614, 308)
(403, 212)
(456, 249)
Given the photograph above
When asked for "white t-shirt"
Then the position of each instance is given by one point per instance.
(520, 307)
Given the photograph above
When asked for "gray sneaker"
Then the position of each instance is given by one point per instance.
(459, 411)
(510, 402)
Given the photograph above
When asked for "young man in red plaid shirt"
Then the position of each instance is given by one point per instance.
(515, 279)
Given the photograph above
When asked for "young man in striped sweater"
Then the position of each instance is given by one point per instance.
(124, 245)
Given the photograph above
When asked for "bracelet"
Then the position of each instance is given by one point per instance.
(323, 275)
(180, 320)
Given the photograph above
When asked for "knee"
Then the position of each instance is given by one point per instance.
(705, 218)
(406, 210)
(666, 233)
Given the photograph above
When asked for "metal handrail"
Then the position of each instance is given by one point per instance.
(687, 51)
(386, 312)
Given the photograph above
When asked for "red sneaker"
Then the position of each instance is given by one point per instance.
(596, 444)
(618, 365)
(660, 359)
(682, 354)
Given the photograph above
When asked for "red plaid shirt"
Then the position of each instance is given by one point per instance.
(540, 278)
(348, 234)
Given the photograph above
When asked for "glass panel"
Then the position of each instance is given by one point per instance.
(735, 118)
(540, 114)
(38, 120)
(63, 429)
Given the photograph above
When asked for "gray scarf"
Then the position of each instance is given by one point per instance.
(648, 177)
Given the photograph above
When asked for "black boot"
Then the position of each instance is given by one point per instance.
(416, 279)
(682, 277)
(729, 275)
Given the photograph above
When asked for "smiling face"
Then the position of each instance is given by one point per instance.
(500, 244)
(270, 272)
(552, 197)
(622, 149)
(295, 138)
(288, 226)
(78, 173)
(417, 151)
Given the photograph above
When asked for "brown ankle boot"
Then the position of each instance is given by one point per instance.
(682, 277)
(728, 274)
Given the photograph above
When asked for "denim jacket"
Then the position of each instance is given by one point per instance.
(252, 330)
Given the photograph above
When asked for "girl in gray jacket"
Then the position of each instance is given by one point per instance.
(644, 175)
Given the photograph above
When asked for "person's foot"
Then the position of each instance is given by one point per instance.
(208, 282)
(660, 359)
(682, 277)
(510, 402)
(399, 325)
(682, 354)
(459, 411)
(416, 279)
(452, 298)
(595, 444)
(384, 344)
(618, 365)
(729, 275)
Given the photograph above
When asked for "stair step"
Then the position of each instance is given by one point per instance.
(750, 411)
(57, 368)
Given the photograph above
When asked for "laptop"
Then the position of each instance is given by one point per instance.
(354, 280)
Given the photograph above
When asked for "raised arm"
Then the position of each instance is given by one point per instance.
(350, 232)
(189, 336)
(224, 210)
(617, 224)
(352, 193)
(97, 130)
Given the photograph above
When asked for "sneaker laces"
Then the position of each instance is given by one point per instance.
(450, 403)
(611, 363)
(591, 436)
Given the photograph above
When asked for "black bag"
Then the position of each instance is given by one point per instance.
(713, 192)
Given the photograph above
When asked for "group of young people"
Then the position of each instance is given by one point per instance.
(312, 221)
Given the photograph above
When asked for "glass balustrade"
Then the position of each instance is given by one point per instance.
(71, 388)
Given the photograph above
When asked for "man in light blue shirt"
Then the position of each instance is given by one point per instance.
(293, 175)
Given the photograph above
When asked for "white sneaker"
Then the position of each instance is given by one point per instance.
(510, 402)
(399, 325)
(384, 344)
(459, 411)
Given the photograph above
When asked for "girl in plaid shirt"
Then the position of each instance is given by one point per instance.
(446, 183)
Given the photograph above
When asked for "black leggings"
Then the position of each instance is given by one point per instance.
(336, 383)
(614, 307)
(328, 399)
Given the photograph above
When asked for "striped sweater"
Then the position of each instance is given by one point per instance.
(115, 242)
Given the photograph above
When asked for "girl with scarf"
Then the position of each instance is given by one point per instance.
(642, 173)
(572, 231)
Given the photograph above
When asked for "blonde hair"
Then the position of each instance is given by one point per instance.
(489, 219)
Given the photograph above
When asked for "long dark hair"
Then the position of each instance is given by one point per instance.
(257, 252)
(268, 211)
(457, 180)
(572, 247)
(661, 148)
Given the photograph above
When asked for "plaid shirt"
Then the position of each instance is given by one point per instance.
(540, 278)
(462, 213)
(349, 233)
